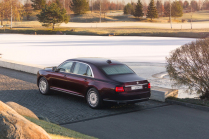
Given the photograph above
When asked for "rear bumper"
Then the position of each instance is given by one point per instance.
(127, 97)
(127, 101)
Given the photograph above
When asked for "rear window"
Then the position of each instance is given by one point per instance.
(117, 69)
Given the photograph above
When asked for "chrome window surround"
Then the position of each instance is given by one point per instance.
(79, 74)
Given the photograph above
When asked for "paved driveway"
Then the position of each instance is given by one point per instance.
(58, 108)
(148, 120)
(168, 122)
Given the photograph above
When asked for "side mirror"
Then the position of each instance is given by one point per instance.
(54, 69)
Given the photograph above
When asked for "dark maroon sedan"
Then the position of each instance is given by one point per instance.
(96, 79)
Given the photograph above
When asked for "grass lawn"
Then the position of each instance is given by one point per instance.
(58, 132)
(198, 16)
(191, 100)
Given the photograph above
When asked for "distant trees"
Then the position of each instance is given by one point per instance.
(167, 9)
(186, 4)
(176, 9)
(152, 11)
(195, 6)
(28, 9)
(38, 4)
(205, 5)
(58, 3)
(160, 7)
(107, 5)
(1, 12)
(5, 10)
(52, 14)
(79, 6)
(138, 9)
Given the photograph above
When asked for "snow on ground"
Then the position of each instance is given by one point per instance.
(53, 49)
(145, 55)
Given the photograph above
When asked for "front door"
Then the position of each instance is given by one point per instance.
(58, 79)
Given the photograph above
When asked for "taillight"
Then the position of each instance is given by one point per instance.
(119, 89)
(149, 85)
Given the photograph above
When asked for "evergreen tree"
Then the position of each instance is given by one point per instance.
(52, 14)
(176, 9)
(125, 10)
(152, 11)
(139, 9)
(58, 3)
(79, 6)
(38, 4)
(128, 9)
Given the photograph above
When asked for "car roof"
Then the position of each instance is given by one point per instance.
(96, 61)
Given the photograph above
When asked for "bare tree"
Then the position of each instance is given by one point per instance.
(188, 65)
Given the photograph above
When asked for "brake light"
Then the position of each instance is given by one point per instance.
(119, 89)
(149, 85)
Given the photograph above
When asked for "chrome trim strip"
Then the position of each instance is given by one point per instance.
(136, 85)
(53, 88)
(126, 100)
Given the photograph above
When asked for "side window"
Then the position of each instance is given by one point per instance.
(89, 72)
(82, 69)
(66, 67)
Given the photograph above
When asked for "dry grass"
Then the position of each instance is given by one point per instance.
(53, 136)
(131, 31)
(198, 16)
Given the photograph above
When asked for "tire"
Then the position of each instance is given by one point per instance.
(43, 86)
(93, 99)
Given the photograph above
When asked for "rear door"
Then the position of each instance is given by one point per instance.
(80, 78)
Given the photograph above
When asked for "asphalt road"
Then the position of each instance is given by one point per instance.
(168, 122)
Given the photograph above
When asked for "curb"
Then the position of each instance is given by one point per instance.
(190, 105)
(19, 66)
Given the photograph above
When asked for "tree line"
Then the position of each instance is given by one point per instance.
(52, 12)
(158, 9)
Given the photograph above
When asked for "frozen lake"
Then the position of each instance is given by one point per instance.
(145, 55)
(52, 49)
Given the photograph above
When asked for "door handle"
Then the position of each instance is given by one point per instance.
(85, 80)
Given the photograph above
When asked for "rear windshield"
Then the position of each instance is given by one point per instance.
(117, 69)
